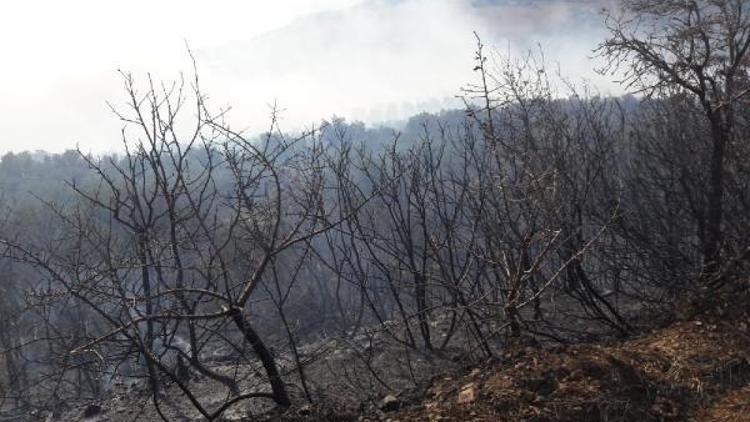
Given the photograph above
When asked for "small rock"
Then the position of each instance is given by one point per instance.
(468, 393)
(390, 403)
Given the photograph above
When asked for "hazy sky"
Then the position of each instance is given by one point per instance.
(371, 60)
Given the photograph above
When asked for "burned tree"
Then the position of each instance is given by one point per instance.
(699, 48)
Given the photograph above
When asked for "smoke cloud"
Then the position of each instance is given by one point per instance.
(369, 60)
(386, 59)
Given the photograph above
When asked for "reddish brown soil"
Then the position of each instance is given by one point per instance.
(697, 369)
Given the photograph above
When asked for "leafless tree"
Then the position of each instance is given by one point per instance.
(700, 48)
(160, 248)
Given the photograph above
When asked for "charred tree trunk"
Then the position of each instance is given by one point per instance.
(421, 293)
(278, 389)
(714, 219)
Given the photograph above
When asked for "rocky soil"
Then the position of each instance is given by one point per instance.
(697, 368)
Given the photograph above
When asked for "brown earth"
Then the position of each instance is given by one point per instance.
(697, 369)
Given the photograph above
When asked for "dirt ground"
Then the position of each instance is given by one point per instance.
(697, 369)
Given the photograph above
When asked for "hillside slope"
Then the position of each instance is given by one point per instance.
(696, 369)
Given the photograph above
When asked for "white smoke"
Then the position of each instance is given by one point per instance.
(370, 60)
(385, 60)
